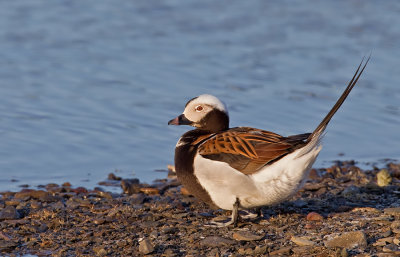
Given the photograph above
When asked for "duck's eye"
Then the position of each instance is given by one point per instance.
(199, 108)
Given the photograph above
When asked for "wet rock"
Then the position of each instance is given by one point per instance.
(130, 186)
(383, 178)
(216, 241)
(145, 246)
(112, 176)
(302, 241)
(314, 216)
(349, 240)
(246, 236)
(9, 213)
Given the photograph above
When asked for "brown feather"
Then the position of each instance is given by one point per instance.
(248, 149)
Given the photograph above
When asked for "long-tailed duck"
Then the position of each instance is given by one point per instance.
(243, 167)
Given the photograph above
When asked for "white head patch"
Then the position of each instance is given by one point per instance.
(210, 100)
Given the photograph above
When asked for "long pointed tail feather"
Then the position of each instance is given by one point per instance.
(321, 127)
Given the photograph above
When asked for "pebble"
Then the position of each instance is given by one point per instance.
(395, 227)
(246, 236)
(314, 216)
(395, 211)
(150, 190)
(9, 213)
(145, 246)
(130, 186)
(216, 241)
(285, 251)
(100, 251)
(349, 240)
(391, 248)
(302, 241)
(383, 178)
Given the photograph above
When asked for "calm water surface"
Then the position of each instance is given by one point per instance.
(87, 87)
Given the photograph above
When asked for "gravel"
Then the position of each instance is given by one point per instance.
(341, 211)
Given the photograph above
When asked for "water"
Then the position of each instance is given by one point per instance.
(87, 87)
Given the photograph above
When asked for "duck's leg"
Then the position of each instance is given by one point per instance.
(234, 218)
(235, 212)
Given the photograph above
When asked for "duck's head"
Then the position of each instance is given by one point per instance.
(205, 112)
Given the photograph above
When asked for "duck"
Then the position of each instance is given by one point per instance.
(244, 168)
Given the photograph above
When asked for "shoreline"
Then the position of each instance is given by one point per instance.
(341, 211)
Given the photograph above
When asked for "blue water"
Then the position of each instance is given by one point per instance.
(87, 87)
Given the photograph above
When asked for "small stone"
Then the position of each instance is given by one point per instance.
(395, 211)
(260, 250)
(112, 176)
(36, 194)
(314, 216)
(246, 236)
(145, 246)
(6, 246)
(283, 251)
(301, 241)
(99, 221)
(349, 240)
(387, 233)
(391, 248)
(383, 241)
(66, 184)
(130, 186)
(395, 227)
(150, 190)
(383, 178)
(100, 251)
(216, 241)
(9, 213)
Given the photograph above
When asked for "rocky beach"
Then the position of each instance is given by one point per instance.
(341, 211)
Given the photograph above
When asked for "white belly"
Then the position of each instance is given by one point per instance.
(272, 184)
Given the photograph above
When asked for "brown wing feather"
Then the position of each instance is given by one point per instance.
(248, 149)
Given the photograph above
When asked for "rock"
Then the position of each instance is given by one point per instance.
(130, 186)
(6, 246)
(171, 167)
(395, 227)
(216, 241)
(383, 241)
(383, 178)
(100, 251)
(112, 176)
(36, 194)
(395, 211)
(145, 246)
(301, 241)
(9, 213)
(150, 190)
(314, 216)
(349, 240)
(391, 248)
(285, 251)
(246, 236)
